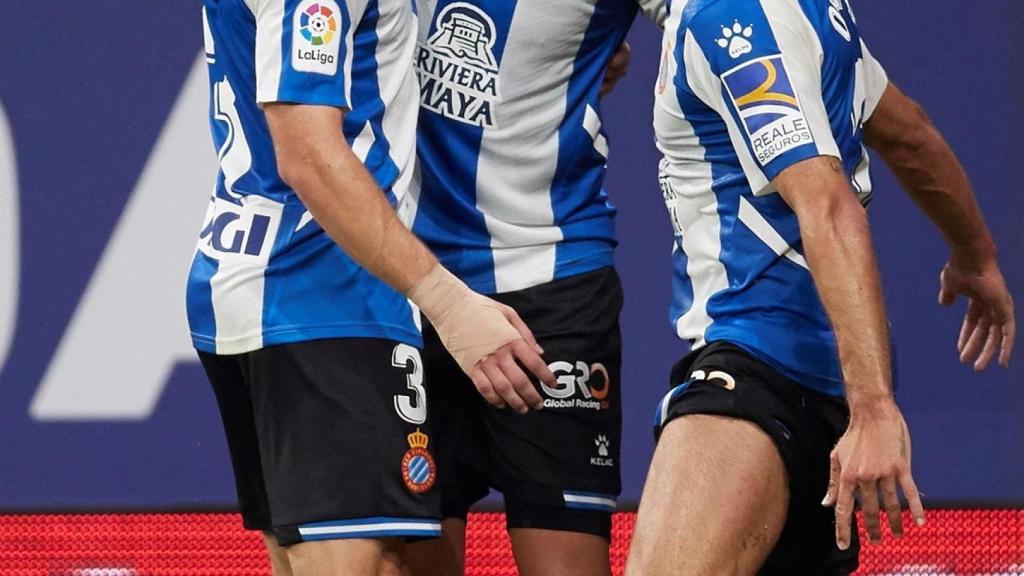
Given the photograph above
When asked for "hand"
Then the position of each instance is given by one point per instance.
(873, 453)
(617, 68)
(498, 376)
(485, 338)
(989, 325)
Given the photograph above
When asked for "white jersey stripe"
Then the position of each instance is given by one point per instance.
(592, 124)
(709, 88)
(238, 285)
(524, 255)
(401, 91)
(349, 52)
(270, 15)
(805, 77)
(364, 141)
(697, 208)
(208, 44)
(770, 236)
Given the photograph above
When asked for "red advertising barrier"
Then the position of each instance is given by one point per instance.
(954, 543)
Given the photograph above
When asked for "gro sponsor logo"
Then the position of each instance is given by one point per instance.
(579, 385)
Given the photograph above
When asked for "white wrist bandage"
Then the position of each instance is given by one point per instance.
(471, 326)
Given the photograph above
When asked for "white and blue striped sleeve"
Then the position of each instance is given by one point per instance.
(761, 72)
(875, 80)
(304, 50)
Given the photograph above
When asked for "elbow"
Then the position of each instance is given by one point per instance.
(915, 141)
(295, 166)
(831, 213)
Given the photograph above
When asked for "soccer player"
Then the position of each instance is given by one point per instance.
(295, 297)
(512, 162)
(762, 111)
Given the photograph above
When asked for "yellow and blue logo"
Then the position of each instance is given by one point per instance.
(763, 96)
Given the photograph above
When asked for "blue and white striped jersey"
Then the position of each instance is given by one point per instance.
(264, 271)
(748, 88)
(512, 152)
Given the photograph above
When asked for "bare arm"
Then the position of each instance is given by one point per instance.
(915, 151)
(485, 337)
(841, 256)
(875, 451)
(912, 147)
(316, 161)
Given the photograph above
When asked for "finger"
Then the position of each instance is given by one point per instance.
(976, 340)
(620, 61)
(617, 68)
(534, 363)
(485, 388)
(970, 323)
(869, 506)
(520, 381)
(513, 318)
(995, 338)
(946, 296)
(502, 386)
(1009, 329)
(913, 498)
(891, 501)
(844, 513)
(833, 480)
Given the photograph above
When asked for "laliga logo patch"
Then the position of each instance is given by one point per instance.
(418, 468)
(315, 38)
(736, 39)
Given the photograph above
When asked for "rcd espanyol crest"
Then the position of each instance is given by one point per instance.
(464, 31)
(457, 67)
(418, 468)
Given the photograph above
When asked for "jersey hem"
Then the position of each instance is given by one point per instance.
(817, 382)
(294, 96)
(599, 259)
(241, 345)
(483, 282)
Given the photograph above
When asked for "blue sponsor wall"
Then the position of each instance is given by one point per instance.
(105, 167)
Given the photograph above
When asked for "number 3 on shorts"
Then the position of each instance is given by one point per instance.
(412, 411)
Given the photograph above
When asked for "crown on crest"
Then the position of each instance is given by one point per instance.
(418, 439)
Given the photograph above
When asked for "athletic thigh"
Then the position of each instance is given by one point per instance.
(723, 379)
(715, 500)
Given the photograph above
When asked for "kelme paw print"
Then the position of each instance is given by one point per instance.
(735, 38)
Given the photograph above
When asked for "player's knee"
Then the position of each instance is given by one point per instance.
(651, 561)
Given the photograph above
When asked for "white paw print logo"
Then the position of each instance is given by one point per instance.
(735, 38)
(602, 445)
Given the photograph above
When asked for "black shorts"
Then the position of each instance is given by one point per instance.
(558, 468)
(329, 439)
(804, 425)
